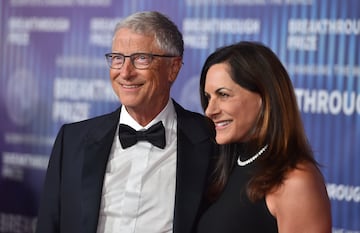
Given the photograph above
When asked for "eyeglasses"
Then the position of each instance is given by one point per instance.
(140, 61)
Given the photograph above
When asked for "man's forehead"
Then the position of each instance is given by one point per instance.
(127, 40)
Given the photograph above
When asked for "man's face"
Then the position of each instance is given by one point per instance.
(142, 91)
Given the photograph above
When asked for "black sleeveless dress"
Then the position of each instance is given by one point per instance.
(234, 213)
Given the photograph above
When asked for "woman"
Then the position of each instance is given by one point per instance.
(266, 179)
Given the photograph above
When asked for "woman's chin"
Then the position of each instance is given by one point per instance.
(222, 140)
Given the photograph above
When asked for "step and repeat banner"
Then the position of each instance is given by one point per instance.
(53, 71)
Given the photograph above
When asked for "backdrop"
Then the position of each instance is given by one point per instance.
(53, 71)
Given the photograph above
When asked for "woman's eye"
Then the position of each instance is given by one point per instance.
(222, 94)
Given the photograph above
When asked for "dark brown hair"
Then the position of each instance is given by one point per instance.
(256, 68)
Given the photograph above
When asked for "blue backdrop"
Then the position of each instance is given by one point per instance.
(53, 71)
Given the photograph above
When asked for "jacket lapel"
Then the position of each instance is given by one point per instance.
(192, 165)
(96, 154)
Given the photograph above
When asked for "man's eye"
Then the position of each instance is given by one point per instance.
(142, 57)
(117, 58)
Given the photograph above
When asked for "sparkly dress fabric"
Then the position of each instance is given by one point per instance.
(234, 213)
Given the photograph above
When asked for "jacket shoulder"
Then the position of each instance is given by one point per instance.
(94, 121)
(96, 126)
(194, 123)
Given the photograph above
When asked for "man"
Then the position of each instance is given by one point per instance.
(97, 181)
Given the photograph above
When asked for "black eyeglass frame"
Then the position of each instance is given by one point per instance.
(132, 58)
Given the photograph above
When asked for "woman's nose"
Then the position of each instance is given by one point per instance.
(211, 109)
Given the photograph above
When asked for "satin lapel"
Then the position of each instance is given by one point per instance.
(192, 163)
(96, 153)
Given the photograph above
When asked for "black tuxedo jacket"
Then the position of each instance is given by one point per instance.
(73, 184)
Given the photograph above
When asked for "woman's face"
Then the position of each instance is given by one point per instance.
(233, 109)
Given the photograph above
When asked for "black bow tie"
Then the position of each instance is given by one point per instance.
(155, 135)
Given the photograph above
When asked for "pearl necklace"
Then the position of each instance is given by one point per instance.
(250, 160)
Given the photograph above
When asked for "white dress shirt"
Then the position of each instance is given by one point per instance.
(138, 193)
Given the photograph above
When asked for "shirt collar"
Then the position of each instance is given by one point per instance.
(167, 116)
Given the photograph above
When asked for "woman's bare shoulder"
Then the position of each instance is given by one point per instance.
(301, 200)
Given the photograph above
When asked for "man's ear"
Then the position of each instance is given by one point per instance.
(176, 64)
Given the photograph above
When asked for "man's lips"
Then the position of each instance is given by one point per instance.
(132, 86)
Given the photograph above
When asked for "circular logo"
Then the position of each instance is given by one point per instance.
(22, 97)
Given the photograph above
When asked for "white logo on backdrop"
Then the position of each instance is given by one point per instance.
(22, 97)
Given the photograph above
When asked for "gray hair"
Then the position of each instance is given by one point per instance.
(152, 23)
